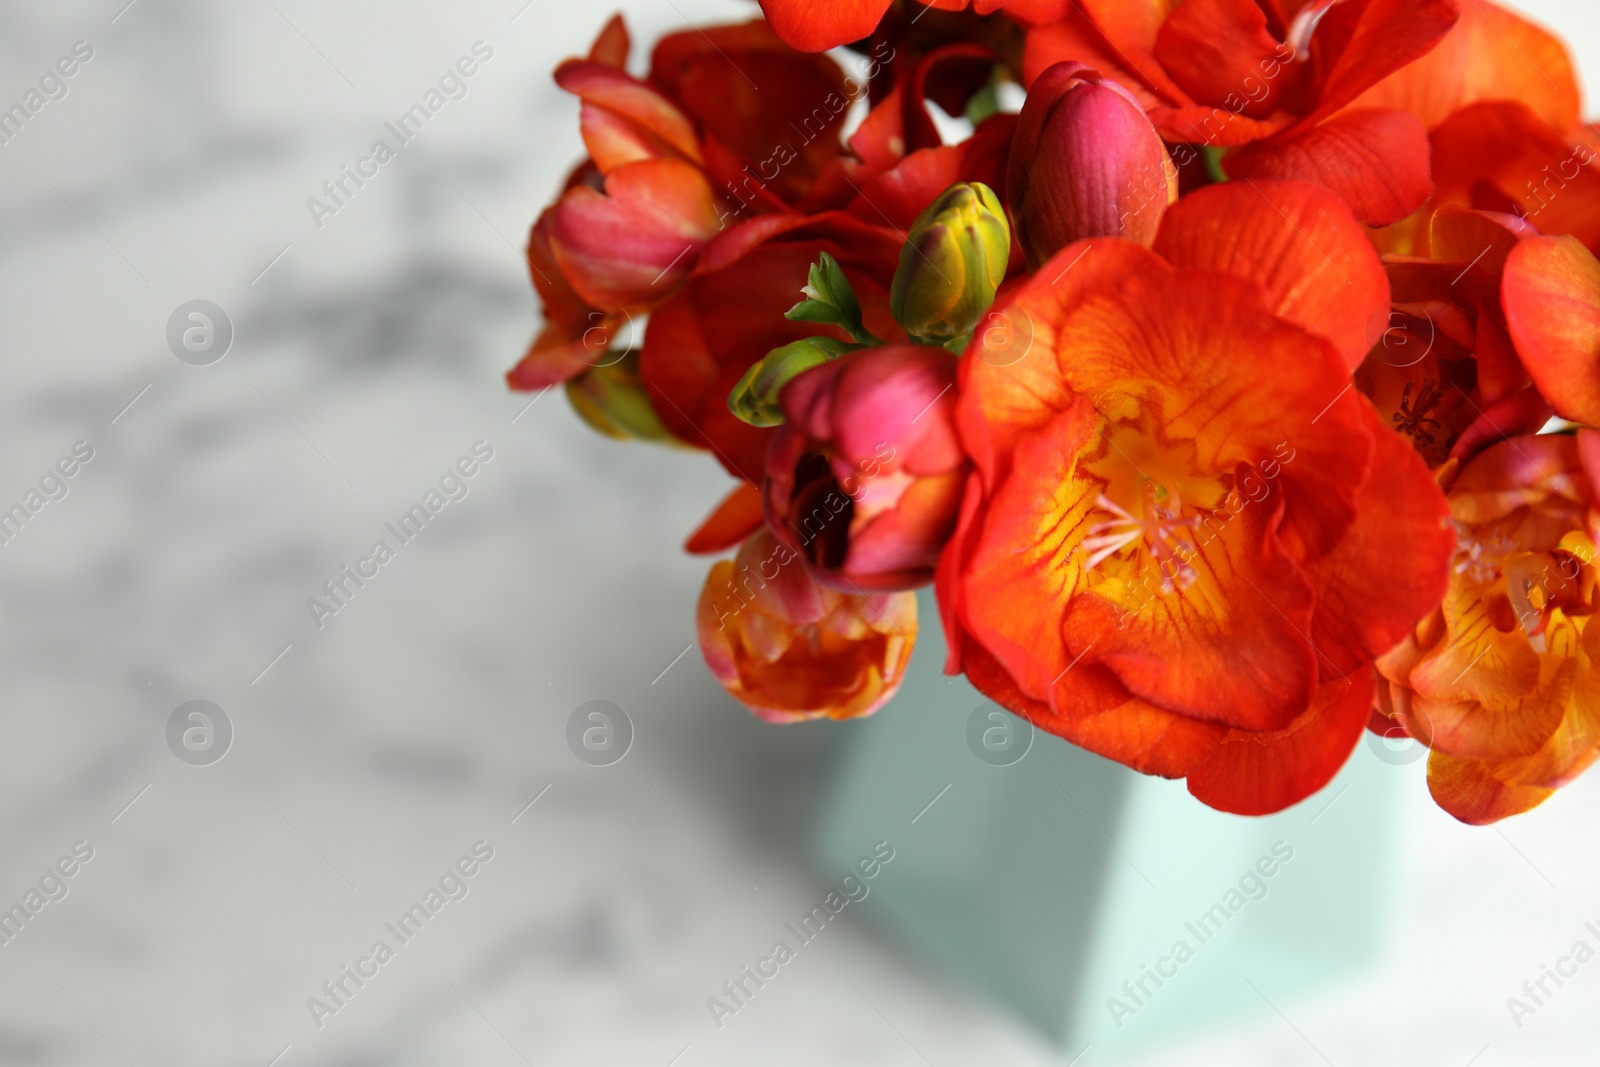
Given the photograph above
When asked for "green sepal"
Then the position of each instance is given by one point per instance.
(613, 401)
(831, 299)
(755, 398)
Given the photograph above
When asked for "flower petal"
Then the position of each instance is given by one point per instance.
(818, 25)
(1377, 161)
(1476, 242)
(1144, 737)
(1499, 156)
(1086, 162)
(1371, 39)
(1469, 790)
(731, 313)
(625, 120)
(1217, 126)
(1258, 774)
(688, 388)
(896, 197)
(1571, 749)
(1551, 294)
(1010, 380)
(1491, 54)
(776, 112)
(791, 650)
(1194, 345)
(1076, 39)
(1521, 413)
(1218, 51)
(575, 335)
(950, 76)
(1027, 12)
(947, 578)
(1300, 242)
(733, 520)
(634, 244)
(1025, 566)
(1391, 568)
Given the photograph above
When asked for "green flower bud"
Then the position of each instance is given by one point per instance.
(952, 263)
(755, 398)
(611, 398)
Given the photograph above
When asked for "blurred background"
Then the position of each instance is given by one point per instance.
(429, 716)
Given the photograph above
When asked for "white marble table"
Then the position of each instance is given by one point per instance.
(371, 753)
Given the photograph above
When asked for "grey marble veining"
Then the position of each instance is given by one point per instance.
(430, 710)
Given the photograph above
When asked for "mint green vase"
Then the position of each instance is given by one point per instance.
(1105, 907)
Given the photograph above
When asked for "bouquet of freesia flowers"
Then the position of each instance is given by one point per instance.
(1231, 395)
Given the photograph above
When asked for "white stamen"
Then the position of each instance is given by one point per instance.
(1159, 533)
(1110, 547)
(1305, 24)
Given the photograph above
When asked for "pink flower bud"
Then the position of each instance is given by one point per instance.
(1086, 162)
(864, 479)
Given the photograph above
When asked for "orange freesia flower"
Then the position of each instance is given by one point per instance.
(1502, 682)
(1178, 548)
(1278, 83)
(1500, 98)
(1446, 374)
(1491, 54)
(791, 650)
(1493, 681)
(1496, 332)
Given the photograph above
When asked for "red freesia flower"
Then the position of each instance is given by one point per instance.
(769, 116)
(818, 25)
(1177, 549)
(864, 480)
(1278, 84)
